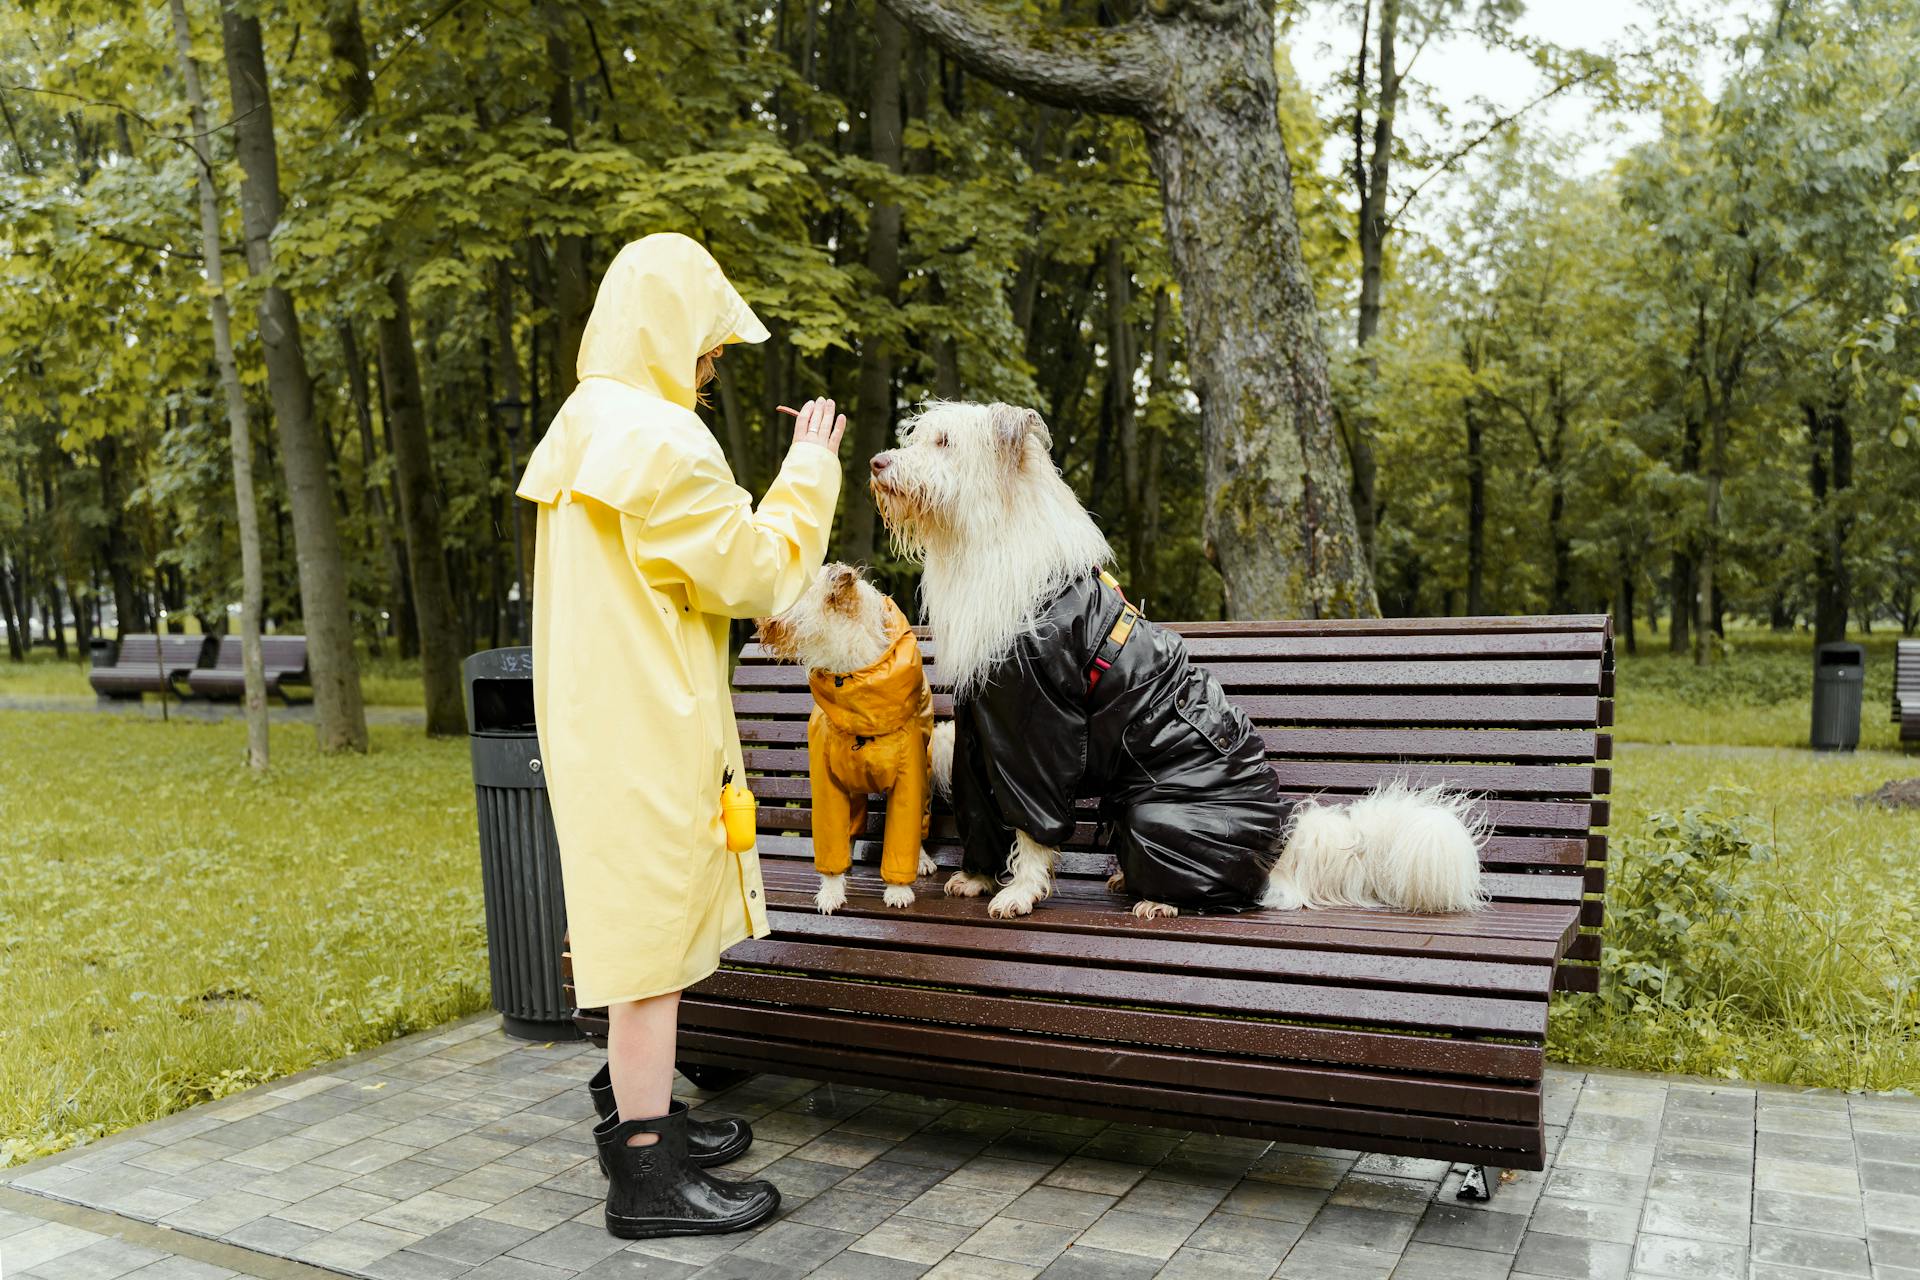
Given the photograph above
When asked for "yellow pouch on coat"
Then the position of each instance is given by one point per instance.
(740, 812)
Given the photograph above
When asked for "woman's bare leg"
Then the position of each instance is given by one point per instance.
(641, 1040)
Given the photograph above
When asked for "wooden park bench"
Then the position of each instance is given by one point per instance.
(283, 661)
(1906, 690)
(149, 664)
(1389, 1032)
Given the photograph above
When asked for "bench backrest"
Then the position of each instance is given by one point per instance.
(171, 652)
(277, 653)
(1515, 710)
(1906, 675)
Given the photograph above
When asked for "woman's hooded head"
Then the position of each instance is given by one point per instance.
(663, 304)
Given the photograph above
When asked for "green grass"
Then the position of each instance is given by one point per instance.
(172, 930)
(1808, 971)
(1759, 694)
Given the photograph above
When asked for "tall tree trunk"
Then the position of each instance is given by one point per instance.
(239, 434)
(507, 374)
(1122, 360)
(433, 606)
(1147, 576)
(1830, 476)
(16, 629)
(874, 411)
(411, 444)
(572, 291)
(1706, 623)
(1278, 514)
(339, 713)
(1623, 615)
(1680, 587)
(129, 614)
(1371, 184)
(373, 496)
(1476, 511)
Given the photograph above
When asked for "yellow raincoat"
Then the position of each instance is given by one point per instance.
(868, 734)
(646, 547)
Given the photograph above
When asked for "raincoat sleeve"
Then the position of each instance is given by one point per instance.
(704, 533)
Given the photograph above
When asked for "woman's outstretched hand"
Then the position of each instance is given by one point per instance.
(815, 423)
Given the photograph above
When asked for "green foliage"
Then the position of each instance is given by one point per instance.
(1675, 917)
(1762, 920)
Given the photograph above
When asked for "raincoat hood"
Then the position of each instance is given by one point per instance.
(663, 304)
(877, 699)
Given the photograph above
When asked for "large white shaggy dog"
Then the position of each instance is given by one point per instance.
(1062, 691)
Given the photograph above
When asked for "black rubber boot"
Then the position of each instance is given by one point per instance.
(709, 1142)
(656, 1190)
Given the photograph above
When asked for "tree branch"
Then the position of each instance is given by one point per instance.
(1495, 126)
(1117, 70)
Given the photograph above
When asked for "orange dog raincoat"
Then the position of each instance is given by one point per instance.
(868, 735)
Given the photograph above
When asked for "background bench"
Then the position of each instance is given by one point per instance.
(149, 664)
(1906, 690)
(283, 660)
(1417, 1035)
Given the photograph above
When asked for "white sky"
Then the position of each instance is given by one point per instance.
(1463, 72)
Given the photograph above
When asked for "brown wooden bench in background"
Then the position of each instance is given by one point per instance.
(1906, 690)
(149, 664)
(1388, 1032)
(283, 661)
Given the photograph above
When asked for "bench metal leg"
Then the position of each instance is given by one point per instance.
(1475, 1184)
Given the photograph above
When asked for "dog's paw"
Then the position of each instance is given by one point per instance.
(831, 895)
(962, 885)
(1154, 910)
(927, 865)
(1011, 902)
(898, 895)
(1117, 882)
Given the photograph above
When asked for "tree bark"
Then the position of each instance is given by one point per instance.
(1476, 511)
(241, 440)
(1199, 76)
(1830, 476)
(16, 634)
(410, 444)
(874, 410)
(1122, 360)
(572, 292)
(339, 713)
(1371, 184)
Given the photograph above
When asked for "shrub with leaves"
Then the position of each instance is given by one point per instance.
(1675, 926)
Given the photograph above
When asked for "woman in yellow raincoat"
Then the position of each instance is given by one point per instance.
(646, 548)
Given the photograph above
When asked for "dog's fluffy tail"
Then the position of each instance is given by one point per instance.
(1422, 847)
(940, 748)
(1398, 846)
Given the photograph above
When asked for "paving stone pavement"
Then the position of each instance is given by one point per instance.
(463, 1153)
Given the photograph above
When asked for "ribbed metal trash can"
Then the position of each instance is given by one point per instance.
(519, 855)
(1839, 680)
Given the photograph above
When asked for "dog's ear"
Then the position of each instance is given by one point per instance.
(1012, 424)
(775, 636)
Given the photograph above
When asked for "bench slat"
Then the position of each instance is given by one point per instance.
(1145, 1065)
(1483, 1015)
(1431, 1055)
(1510, 1146)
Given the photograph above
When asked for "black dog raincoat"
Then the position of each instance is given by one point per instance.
(1099, 702)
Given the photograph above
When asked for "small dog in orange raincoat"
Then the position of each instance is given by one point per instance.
(868, 734)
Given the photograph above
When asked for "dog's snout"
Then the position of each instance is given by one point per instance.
(881, 461)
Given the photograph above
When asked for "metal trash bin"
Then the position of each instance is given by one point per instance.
(519, 854)
(103, 652)
(1839, 680)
